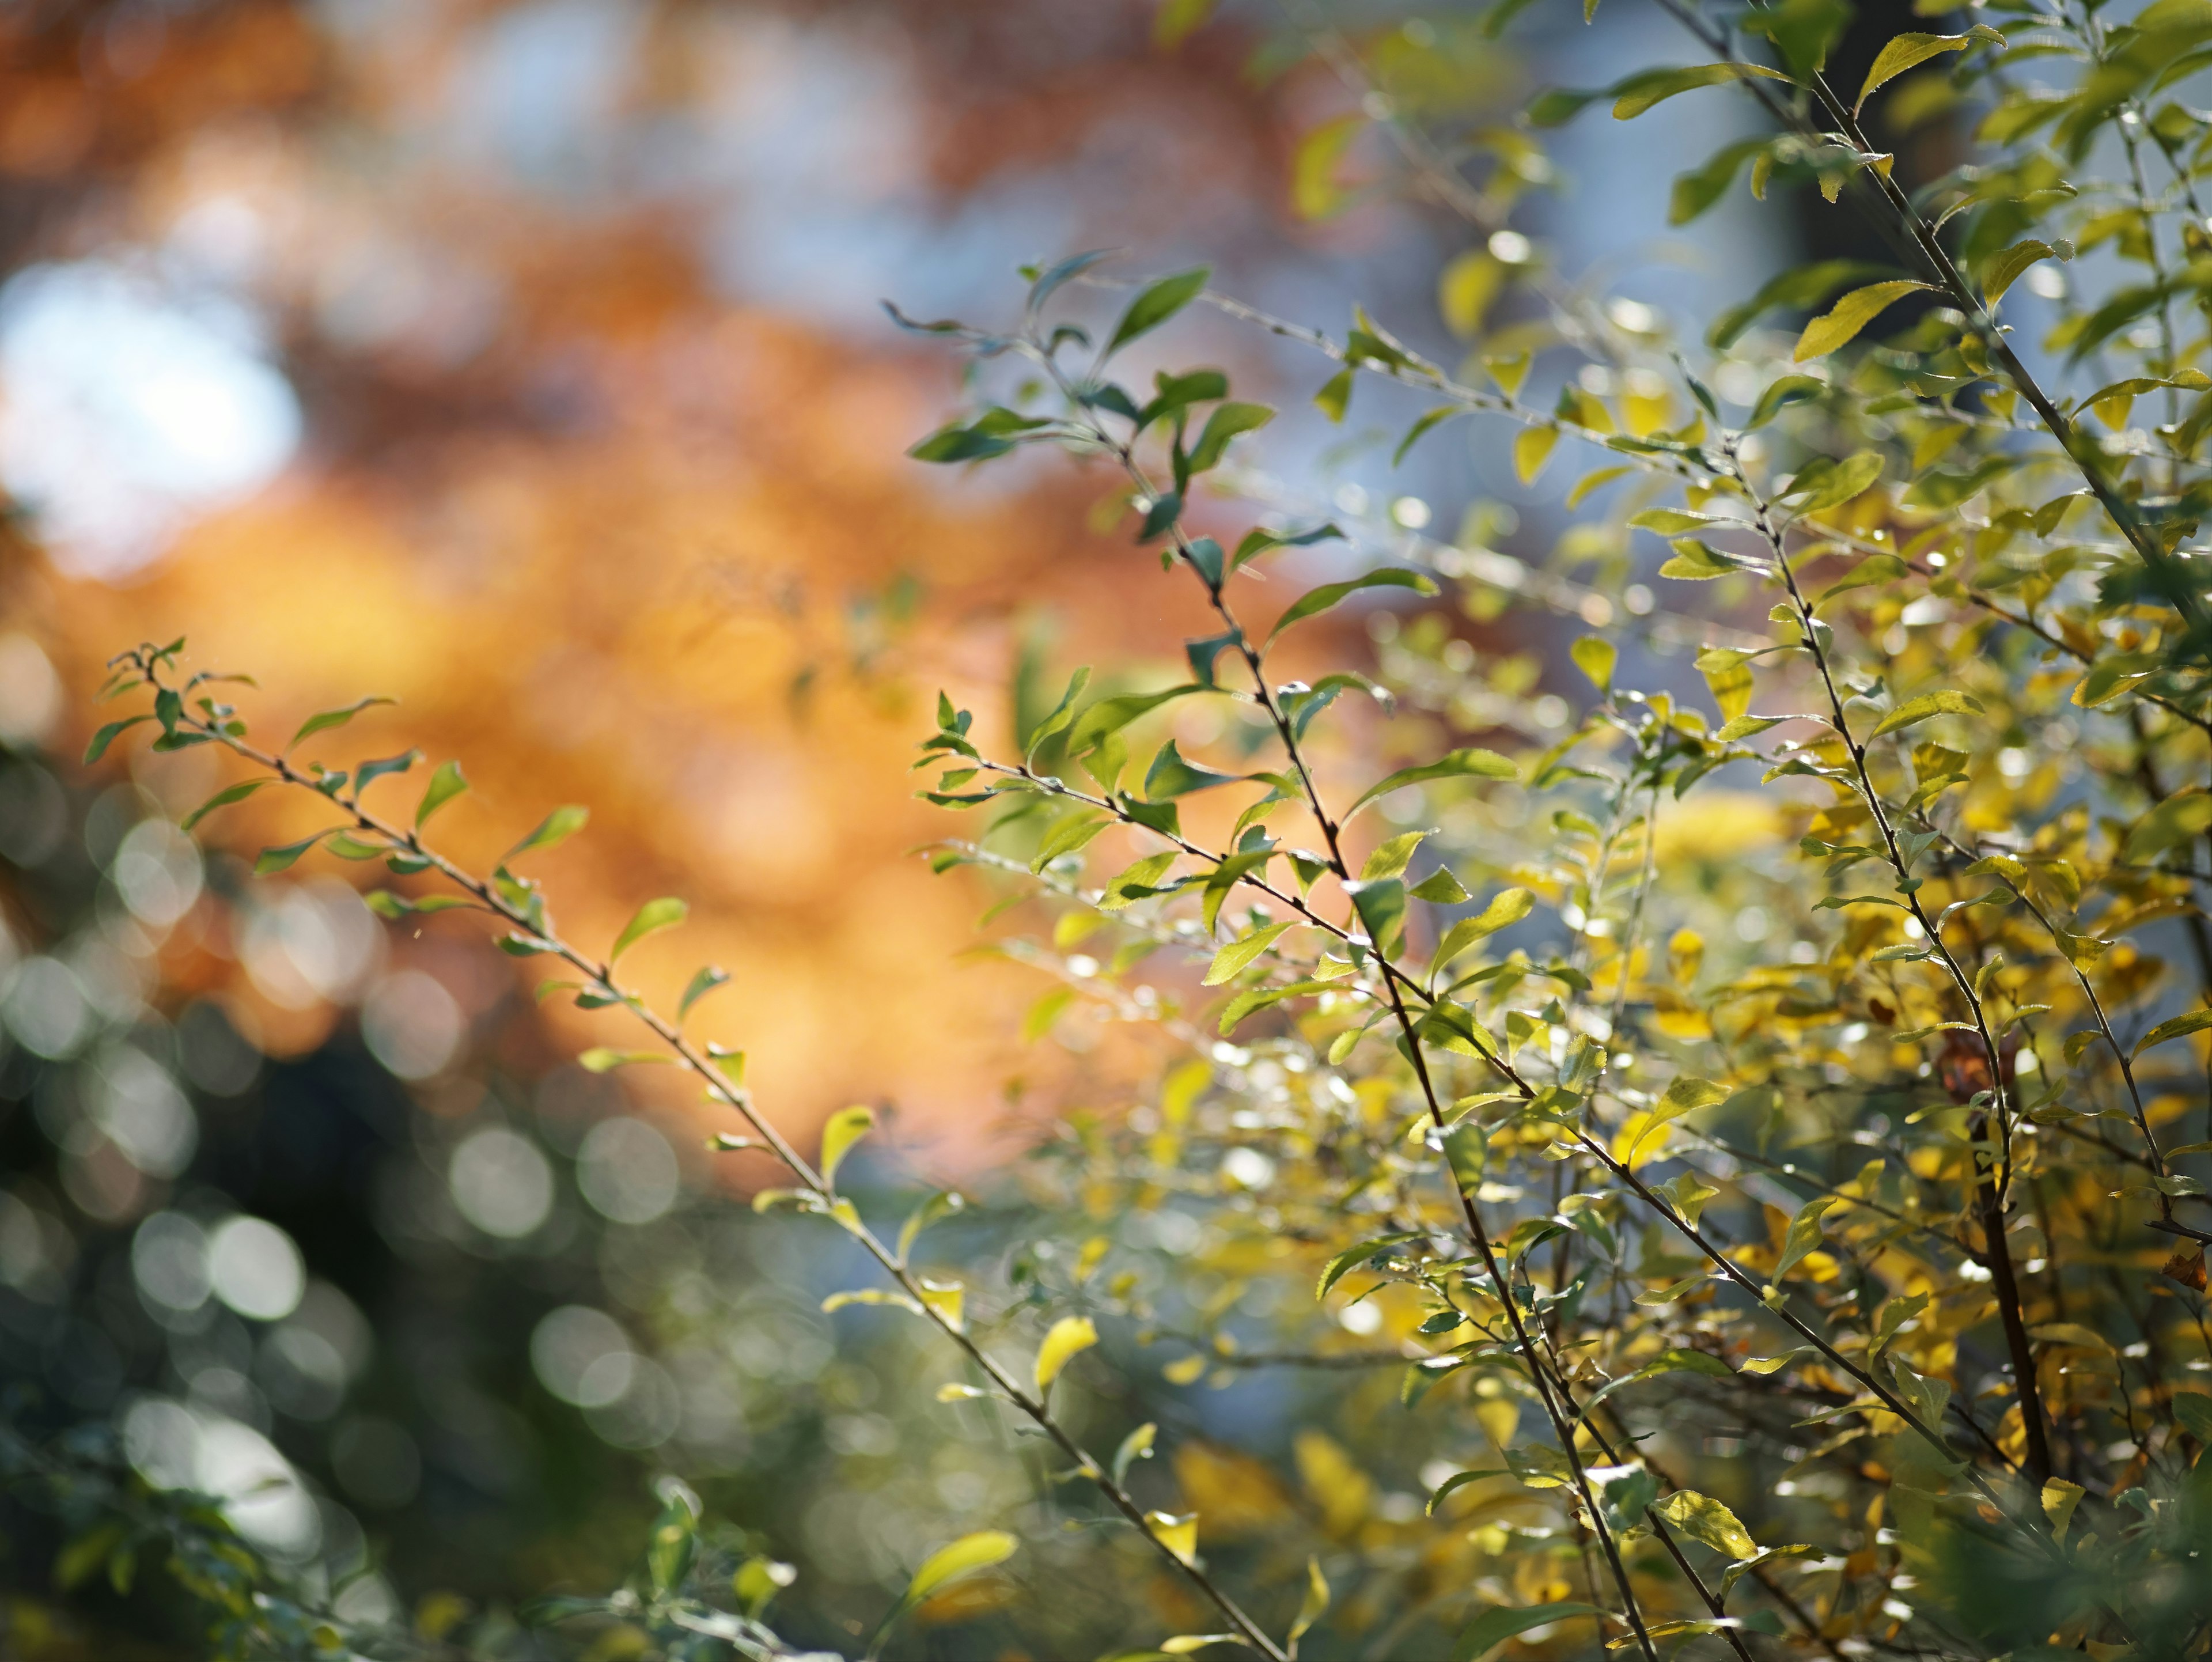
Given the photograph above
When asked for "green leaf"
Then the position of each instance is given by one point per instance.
(1905, 51)
(1705, 1519)
(1502, 1621)
(283, 859)
(1156, 304)
(223, 799)
(1785, 391)
(1842, 322)
(445, 785)
(1106, 716)
(663, 914)
(1469, 764)
(1226, 422)
(1668, 1361)
(1693, 561)
(1063, 714)
(1803, 1234)
(1335, 395)
(702, 984)
(1506, 908)
(1137, 1446)
(839, 1133)
(2001, 272)
(1170, 776)
(1928, 704)
(335, 718)
(1805, 286)
(1825, 483)
(1391, 857)
(556, 828)
(1316, 601)
(2192, 1022)
(1697, 190)
(108, 735)
(1443, 412)
(1069, 1337)
(387, 904)
(601, 1059)
(942, 1204)
(1232, 959)
(1640, 92)
(369, 772)
(1595, 656)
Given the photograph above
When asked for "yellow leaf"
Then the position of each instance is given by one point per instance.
(1466, 289)
(1842, 322)
(948, 1299)
(1316, 192)
(1532, 449)
(1070, 1336)
(2004, 271)
(1313, 1606)
(1177, 19)
(1705, 1519)
(1928, 704)
(2059, 1499)
(1906, 51)
(1179, 1535)
(965, 1557)
(845, 1128)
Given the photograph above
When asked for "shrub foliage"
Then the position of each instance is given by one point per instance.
(1730, 1149)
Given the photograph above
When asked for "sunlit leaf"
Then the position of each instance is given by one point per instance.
(1069, 1337)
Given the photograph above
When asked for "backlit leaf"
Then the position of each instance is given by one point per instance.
(839, 1133)
(653, 916)
(1069, 1338)
(1840, 324)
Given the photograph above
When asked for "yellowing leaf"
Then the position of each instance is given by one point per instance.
(967, 1557)
(1313, 1606)
(1804, 1233)
(1842, 322)
(2194, 1022)
(1316, 190)
(1915, 711)
(1179, 1535)
(1704, 1519)
(1595, 656)
(1906, 51)
(839, 1133)
(1695, 562)
(600, 1059)
(2004, 271)
(2059, 1499)
(1656, 87)
(1466, 289)
(1070, 1336)
(1177, 19)
(1532, 449)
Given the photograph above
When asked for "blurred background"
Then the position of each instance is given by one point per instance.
(522, 362)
